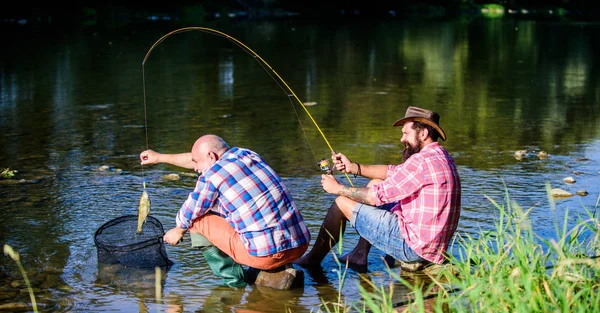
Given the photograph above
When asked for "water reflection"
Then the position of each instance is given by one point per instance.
(73, 103)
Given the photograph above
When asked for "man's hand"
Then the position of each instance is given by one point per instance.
(330, 184)
(341, 162)
(174, 235)
(149, 157)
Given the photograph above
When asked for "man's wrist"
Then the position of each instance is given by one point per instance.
(357, 169)
(181, 229)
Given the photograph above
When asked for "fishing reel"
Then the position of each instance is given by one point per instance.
(324, 165)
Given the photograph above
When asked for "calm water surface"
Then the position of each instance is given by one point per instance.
(72, 103)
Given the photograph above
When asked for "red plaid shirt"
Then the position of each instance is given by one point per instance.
(427, 189)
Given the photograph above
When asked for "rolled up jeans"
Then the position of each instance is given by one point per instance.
(380, 227)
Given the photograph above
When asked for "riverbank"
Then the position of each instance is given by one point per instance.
(108, 16)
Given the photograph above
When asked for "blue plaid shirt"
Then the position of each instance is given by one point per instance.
(246, 191)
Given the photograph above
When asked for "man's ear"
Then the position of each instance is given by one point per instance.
(213, 156)
(424, 133)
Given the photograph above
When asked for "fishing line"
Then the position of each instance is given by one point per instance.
(280, 82)
(145, 124)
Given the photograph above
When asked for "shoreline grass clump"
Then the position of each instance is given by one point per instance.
(511, 269)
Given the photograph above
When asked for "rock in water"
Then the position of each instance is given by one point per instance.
(559, 193)
(171, 176)
(520, 154)
(282, 278)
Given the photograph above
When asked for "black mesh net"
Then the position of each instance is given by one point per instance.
(117, 242)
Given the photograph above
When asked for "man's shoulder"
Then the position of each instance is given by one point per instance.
(434, 148)
(242, 151)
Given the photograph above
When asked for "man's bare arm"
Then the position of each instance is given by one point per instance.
(362, 195)
(370, 171)
(179, 159)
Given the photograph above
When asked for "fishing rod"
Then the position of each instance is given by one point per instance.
(323, 164)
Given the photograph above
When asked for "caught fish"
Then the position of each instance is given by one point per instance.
(143, 211)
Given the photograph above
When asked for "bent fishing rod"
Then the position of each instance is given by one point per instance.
(280, 82)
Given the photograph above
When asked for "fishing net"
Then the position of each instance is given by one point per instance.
(118, 242)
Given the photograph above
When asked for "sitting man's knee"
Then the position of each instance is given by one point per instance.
(342, 202)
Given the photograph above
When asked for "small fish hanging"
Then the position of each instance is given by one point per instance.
(143, 211)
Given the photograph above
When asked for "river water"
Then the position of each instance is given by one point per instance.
(74, 102)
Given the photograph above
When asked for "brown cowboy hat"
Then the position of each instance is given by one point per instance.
(416, 114)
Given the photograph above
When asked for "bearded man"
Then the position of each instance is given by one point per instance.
(409, 211)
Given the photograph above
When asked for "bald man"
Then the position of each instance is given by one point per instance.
(239, 205)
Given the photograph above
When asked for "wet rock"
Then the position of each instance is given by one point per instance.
(520, 154)
(406, 267)
(569, 180)
(578, 173)
(281, 278)
(16, 283)
(413, 266)
(582, 193)
(172, 177)
(189, 174)
(543, 155)
(560, 193)
(64, 287)
(104, 168)
(14, 307)
(16, 182)
(582, 159)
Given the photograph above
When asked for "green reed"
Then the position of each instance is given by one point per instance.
(8, 250)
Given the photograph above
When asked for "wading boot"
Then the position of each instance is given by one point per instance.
(219, 262)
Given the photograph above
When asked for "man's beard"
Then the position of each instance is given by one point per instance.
(410, 149)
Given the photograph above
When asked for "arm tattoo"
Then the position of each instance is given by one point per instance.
(356, 194)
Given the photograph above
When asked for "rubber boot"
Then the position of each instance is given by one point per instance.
(219, 262)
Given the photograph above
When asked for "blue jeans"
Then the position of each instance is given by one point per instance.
(380, 227)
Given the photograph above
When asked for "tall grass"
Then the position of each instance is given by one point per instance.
(509, 269)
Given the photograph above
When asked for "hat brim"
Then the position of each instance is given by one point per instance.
(405, 120)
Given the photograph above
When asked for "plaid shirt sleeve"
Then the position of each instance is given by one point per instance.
(402, 182)
(197, 204)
